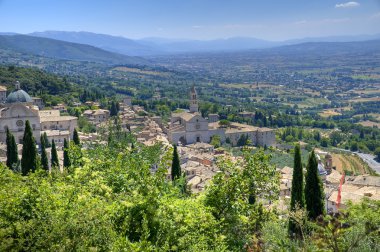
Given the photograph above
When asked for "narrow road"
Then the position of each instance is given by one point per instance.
(370, 160)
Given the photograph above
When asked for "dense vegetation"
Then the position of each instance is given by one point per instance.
(109, 199)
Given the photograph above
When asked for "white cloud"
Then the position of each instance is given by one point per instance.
(197, 26)
(300, 22)
(347, 5)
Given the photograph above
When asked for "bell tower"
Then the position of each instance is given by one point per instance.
(17, 85)
(193, 100)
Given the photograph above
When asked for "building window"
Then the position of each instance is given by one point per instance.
(20, 123)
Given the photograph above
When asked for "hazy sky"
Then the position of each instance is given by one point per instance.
(196, 19)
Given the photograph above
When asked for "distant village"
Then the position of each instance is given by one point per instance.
(187, 129)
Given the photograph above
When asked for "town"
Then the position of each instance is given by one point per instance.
(194, 135)
(190, 125)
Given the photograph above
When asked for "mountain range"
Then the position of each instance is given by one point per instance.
(157, 46)
(112, 50)
(58, 49)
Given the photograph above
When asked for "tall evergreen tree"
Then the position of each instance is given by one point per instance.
(76, 137)
(176, 168)
(54, 156)
(297, 196)
(46, 140)
(113, 109)
(29, 151)
(314, 194)
(12, 153)
(66, 158)
(44, 158)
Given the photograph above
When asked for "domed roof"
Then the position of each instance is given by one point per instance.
(18, 95)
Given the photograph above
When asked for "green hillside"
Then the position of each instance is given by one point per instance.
(35, 81)
(64, 50)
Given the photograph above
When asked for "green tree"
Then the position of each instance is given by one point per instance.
(46, 140)
(215, 141)
(44, 157)
(354, 146)
(54, 155)
(324, 142)
(113, 109)
(66, 157)
(29, 151)
(297, 200)
(176, 168)
(314, 195)
(76, 137)
(12, 153)
(232, 194)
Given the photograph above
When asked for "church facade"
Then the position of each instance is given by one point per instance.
(190, 127)
(19, 107)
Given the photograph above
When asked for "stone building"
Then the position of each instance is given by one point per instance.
(97, 116)
(190, 127)
(19, 108)
(3, 94)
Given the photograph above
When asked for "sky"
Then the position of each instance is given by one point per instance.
(194, 19)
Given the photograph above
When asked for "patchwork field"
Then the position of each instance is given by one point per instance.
(139, 71)
(329, 112)
(369, 124)
(365, 99)
(250, 85)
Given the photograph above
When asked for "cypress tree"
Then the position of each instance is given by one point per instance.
(176, 168)
(12, 153)
(76, 137)
(44, 158)
(297, 197)
(66, 158)
(113, 110)
(46, 140)
(29, 151)
(314, 194)
(54, 156)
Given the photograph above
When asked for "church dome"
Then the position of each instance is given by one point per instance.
(18, 95)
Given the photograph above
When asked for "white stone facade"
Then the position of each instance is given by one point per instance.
(14, 118)
(19, 108)
(191, 127)
(3, 94)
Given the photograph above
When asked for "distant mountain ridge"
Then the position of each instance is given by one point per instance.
(106, 42)
(64, 50)
(157, 46)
